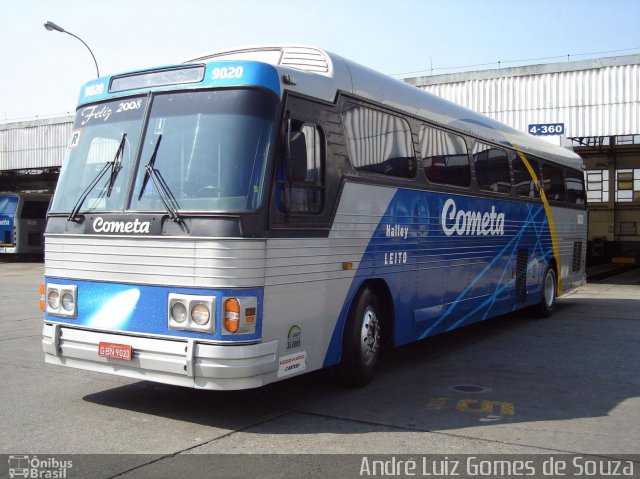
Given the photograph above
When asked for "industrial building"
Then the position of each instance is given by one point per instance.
(31, 154)
(592, 106)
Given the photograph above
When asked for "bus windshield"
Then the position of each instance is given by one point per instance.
(8, 205)
(97, 134)
(208, 148)
(212, 152)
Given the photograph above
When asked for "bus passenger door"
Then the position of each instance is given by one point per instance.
(300, 266)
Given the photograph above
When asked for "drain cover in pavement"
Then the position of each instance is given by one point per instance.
(469, 388)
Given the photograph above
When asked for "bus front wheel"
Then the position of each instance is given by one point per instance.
(361, 341)
(548, 294)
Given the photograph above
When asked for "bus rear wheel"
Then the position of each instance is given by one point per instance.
(361, 341)
(548, 293)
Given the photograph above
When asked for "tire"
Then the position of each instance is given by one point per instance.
(548, 294)
(361, 341)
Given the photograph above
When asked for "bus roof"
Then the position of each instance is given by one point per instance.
(322, 74)
(351, 77)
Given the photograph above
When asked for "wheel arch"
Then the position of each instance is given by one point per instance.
(553, 264)
(365, 332)
(381, 290)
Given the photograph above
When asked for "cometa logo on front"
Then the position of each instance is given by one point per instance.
(135, 226)
(470, 223)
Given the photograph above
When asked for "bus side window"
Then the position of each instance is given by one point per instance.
(492, 168)
(575, 187)
(378, 142)
(522, 180)
(306, 196)
(444, 156)
(553, 182)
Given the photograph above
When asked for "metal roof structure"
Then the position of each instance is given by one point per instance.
(593, 98)
(34, 144)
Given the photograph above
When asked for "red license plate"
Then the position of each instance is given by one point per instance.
(115, 351)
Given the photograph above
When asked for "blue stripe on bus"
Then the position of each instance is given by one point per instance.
(449, 281)
(130, 308)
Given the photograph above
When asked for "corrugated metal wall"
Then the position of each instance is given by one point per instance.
(598, 101)
(34, 144)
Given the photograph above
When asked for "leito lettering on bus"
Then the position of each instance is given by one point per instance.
(471, 223)
(396, 257)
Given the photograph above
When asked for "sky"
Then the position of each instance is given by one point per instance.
(41, 72)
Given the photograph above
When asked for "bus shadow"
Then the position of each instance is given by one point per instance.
(507, 370)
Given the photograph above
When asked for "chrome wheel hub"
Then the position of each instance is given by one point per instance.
(549, 289)
(369, 335)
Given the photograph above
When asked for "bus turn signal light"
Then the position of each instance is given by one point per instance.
(232, 315)
(42, 291)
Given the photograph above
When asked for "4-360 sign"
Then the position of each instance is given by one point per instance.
(546, 129)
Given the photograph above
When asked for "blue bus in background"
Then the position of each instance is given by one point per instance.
(255, 214)
(22, 223)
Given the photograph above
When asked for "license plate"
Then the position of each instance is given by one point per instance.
(115, 351)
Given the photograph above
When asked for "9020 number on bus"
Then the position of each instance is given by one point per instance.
(227, 73)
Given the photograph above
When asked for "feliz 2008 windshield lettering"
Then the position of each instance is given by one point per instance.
(104, 112)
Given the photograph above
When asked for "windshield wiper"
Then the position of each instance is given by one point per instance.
(151, 162)
(161, 187)
(114, 165)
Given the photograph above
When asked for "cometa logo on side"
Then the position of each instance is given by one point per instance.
(471, 223)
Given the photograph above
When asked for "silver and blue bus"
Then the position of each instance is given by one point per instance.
(252, 215)
(22, 223)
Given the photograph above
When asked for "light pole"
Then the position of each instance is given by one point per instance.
(52, 26)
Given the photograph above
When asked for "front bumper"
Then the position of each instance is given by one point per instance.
(172, 361)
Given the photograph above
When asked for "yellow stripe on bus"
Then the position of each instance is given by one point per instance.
(547, 209)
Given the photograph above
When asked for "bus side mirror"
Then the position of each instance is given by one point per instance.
(297, 157)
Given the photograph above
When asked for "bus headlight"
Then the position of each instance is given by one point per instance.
(68, 302)
(53, 299)
(200, 314)
(62, 299)
(179, 312)
(191, 313)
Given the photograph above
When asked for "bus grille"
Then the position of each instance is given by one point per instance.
(521, 275)
(577, 256)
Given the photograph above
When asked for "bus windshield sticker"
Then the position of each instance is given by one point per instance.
(75, 138)
(159, 129)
